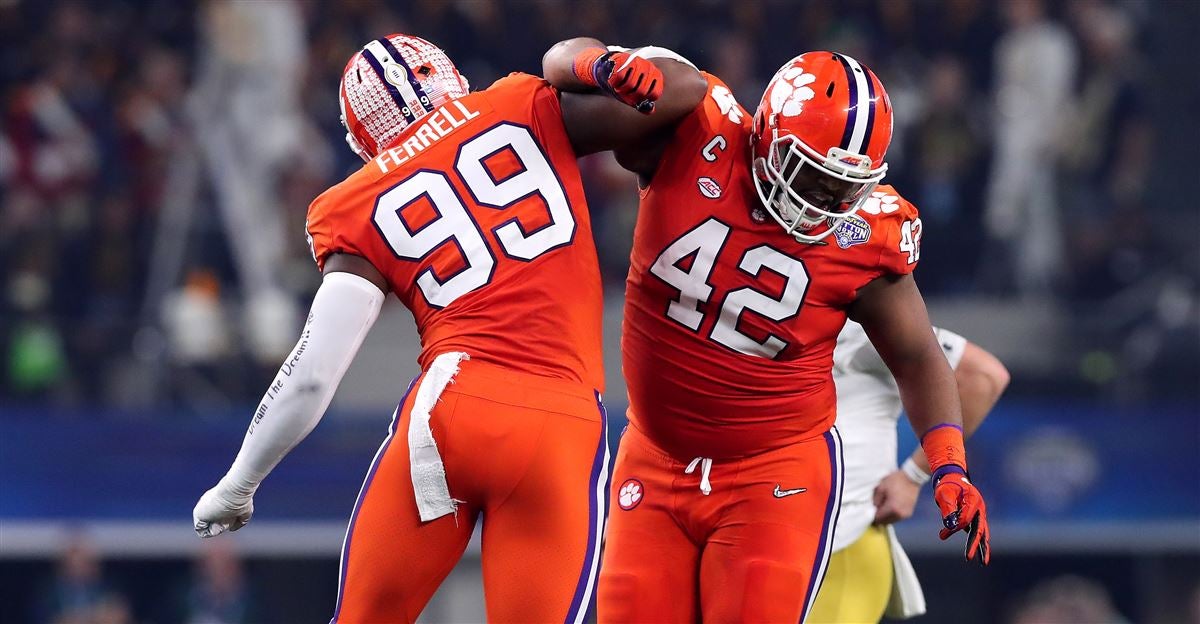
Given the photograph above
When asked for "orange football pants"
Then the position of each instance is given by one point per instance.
(753, 550)
(527, 453)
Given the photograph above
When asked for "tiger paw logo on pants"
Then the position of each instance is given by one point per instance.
(630, 494)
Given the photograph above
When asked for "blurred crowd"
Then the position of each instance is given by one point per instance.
(157, 158)
(81, 592)
(216, 588)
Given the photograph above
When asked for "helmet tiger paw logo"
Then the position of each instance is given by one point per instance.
(630, 494)
(791, 91)
(823, 120)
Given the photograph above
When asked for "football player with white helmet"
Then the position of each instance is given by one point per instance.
(471, 210)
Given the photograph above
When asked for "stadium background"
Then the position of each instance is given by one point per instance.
(157, 158)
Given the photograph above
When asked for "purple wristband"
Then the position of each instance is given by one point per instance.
(947, 469)
(601, 70)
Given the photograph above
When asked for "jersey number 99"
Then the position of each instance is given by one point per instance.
(455, 225)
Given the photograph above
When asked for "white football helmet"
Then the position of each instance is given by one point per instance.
(389, 85)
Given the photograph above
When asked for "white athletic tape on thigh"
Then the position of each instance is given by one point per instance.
(428, 473)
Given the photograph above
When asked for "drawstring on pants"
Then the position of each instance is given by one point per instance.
(705, 464)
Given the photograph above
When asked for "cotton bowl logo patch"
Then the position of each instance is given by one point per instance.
(853, 230)
(709, 187)
(630, 494)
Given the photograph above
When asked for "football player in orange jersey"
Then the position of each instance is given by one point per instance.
(756, 239)
(470, 210)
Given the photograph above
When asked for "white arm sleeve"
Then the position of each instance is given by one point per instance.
(343, 311)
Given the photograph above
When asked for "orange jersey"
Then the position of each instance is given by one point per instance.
(477, 219)
(730, 322)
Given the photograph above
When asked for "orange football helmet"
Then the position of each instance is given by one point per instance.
(820, 135)
(389, 85)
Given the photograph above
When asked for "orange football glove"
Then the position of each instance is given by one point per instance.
(963, 508)
(961, 505)
(628, 78)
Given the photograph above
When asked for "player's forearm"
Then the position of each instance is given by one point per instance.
(935, 414)
(977, 395)
(981, 379)
(343, 311)
(558, 64)
(894, 316)
(928, 391)
(569, 67)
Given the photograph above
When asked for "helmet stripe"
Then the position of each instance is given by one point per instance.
(418, 90)
(852, 112)
(404, 86)
(860, 98)
(370, 55)
(870, 115)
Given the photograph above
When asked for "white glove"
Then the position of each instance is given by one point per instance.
(222, 508)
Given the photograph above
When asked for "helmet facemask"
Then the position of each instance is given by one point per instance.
(802, 190)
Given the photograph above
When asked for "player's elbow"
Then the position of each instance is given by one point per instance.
(553, 63)
(558, 61)
(983, 372)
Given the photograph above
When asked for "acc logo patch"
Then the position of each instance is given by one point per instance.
(853, 230)
(709, 187)
(630, 494)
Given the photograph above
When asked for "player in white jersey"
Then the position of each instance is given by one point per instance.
(869, 572)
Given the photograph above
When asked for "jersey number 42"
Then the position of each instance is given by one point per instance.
(704, 243)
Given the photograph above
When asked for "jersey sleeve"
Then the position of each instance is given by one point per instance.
(953, 345)
(525, 96)
(717, 121)
(327, 229)
(518, 88)
(902, 246)
(718, 113)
